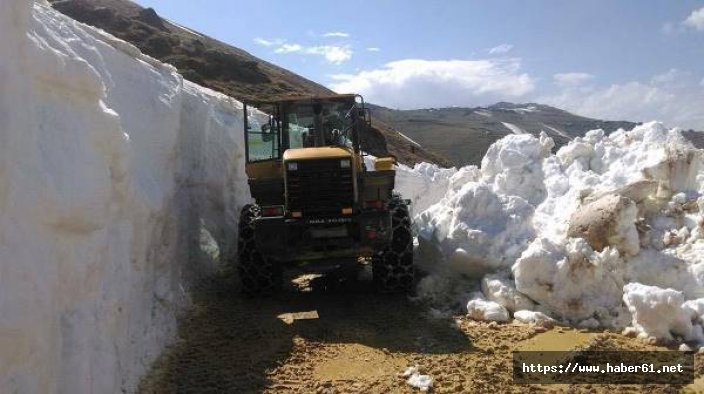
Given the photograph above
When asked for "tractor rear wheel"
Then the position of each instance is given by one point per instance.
(392, 268)
(258, 274)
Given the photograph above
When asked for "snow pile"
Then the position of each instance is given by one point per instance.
(423, 184)
(569, 235)
(482, 223)
(415, 379)
(478, 308)
(112, 170)
(501, 290)
(533, 317)
(659, 313)
(571, 281)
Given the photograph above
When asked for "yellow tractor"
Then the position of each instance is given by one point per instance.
(317, 201)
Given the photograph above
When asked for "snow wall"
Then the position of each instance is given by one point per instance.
(113, 172)
(607, 232)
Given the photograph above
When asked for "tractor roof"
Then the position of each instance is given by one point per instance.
(312, 98)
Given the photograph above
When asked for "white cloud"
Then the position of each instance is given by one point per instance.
(288, 48)
(672, 97)
(335, 54)
(338, 34)
(373, 49)
(269, 43)
(416, 83)
(671, 76)
(571, 79)
(332, 53)
(696, 19)
(500, 49)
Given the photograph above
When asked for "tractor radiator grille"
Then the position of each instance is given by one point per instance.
(320, 188)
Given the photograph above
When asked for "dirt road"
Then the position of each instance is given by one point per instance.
(347, 339)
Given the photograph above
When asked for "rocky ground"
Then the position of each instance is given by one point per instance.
(345, 339)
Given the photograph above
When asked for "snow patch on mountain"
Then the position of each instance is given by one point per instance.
(513, 128)
(408, 139)
(558, 131)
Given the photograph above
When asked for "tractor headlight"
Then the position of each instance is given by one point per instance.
(292, 166)
(345, 163)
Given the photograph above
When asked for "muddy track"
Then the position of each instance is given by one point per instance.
(346, 339)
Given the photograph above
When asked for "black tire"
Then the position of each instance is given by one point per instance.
(258, 275)
(392, 268)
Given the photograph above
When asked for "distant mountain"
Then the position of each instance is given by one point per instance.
(463, 135)
(220, 66)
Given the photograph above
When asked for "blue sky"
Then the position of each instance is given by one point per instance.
(628, 59)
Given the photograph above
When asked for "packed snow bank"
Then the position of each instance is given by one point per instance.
(570, 234)
(112, 170)
(423, 184)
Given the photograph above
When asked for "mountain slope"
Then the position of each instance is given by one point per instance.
(219, 66)
(464, 134)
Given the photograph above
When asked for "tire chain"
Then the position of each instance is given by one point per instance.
(393, 269)
(258, 274)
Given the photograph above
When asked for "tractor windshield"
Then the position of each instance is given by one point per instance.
(318, 124)
(273, 128)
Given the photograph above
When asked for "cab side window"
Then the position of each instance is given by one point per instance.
(263, 136)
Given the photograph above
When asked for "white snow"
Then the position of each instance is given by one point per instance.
(558, 131)
(513, 128)
(530, 108)
(480, 309)
(571, 281)
(658, 312)
(417, 380)
(533, 317)
(424, 184)
(521, 110)
(408, 138)
(184, 28)
(111, 169)
(502, 290)
(505, 229)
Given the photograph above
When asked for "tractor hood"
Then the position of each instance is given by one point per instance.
(323, 152)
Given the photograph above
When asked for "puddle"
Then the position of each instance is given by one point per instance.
(556, 340)
(359, 362)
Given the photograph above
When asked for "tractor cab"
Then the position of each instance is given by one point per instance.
(274, 127)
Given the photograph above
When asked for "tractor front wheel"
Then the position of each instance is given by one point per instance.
(258, 274)
(392, 268)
